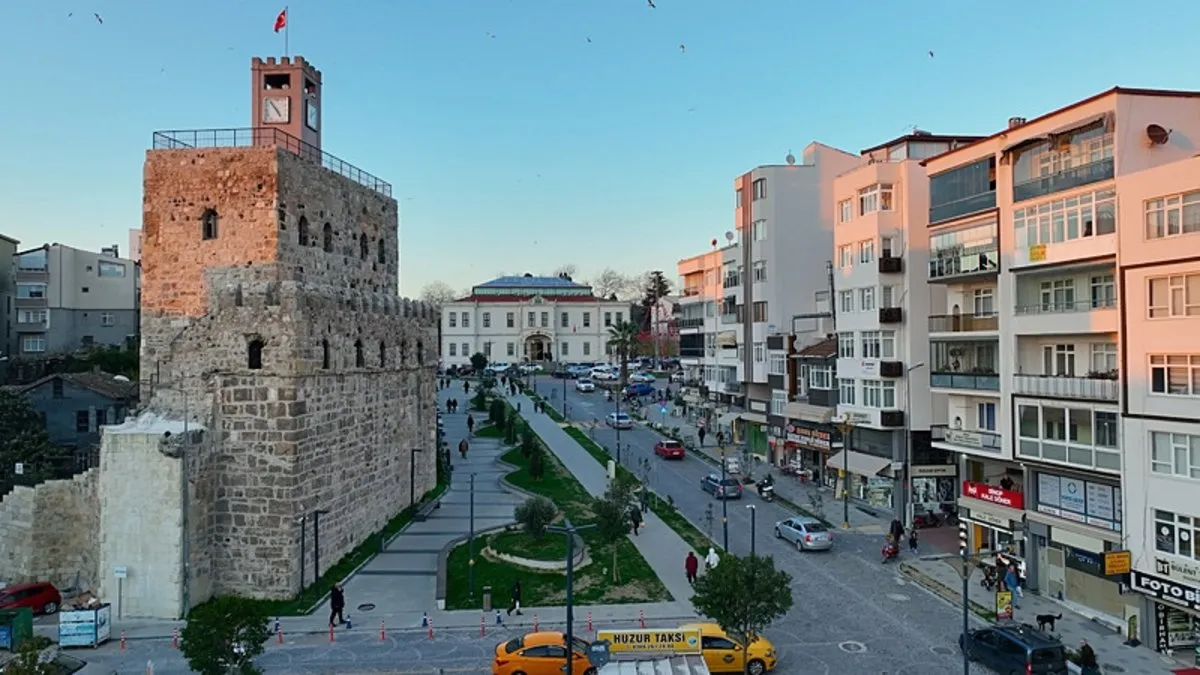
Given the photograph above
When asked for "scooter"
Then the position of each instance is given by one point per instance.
(890, 551)
(766, 491)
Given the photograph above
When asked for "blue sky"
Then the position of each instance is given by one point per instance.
(536, 148)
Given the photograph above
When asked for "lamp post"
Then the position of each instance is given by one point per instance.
(471, 544)
(316, 516)
(753, 528)
(846, 426)
(724, 504)
(966, 565)
(303, 521)
(564, 397)
(571, 531)
(904, 503)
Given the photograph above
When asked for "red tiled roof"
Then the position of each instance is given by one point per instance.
(526, 298)
(822, 350)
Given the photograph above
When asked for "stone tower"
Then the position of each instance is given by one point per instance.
(271, 318)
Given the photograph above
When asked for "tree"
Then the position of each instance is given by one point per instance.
(23, 440)
(743, 595)
(479, 362)
(28, 660)
(612, 516)
(497, 413)
(534, 515)
(224, 635)
(511, 429)
(438, 293)
(537, 463)
(529, 441)
(656, 288)
(568, 270)
(610, 283)
(622, 338)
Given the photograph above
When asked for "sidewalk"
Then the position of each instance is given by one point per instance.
(662, 548)
(940, 577)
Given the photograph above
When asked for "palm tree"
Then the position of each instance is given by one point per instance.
(622, 337)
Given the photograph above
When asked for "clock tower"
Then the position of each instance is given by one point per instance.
(287, 97)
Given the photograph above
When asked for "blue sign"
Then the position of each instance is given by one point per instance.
(663, 410)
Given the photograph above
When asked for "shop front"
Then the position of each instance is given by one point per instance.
(809, 446)
(996, 516)
(867, 482)
(932, 486)
(754, 424)
(1175, 609)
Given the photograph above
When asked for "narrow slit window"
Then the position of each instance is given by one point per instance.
(360, 360)
(254, 354)
(208, 224)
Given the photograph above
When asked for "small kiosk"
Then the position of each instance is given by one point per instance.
(85, 627)
(16, 626)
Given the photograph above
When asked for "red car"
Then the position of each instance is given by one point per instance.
(669, 449)
(41, 597)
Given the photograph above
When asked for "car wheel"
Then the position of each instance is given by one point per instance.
(757, 667)
(800, 546)
(50, 608)
(778, 534)
(521, 672)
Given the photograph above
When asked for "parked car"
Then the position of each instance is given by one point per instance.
(722, 655)
(577, 370)
(530, 368)
(40, 596)
(541, 653)
(639, 389)
(500, 368)
(585, 386)
(605, 373)
(669, 449)
(677, 377)
(1015, 648)
(808, 534)
(618, 420)
(642, 377)
(721, 488)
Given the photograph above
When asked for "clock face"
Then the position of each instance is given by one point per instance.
(312, 115)
(277, 110)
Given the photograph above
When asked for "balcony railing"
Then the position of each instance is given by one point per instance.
(962, 207)
(688, 292)
(1064, 180)
(729, 318)
(690, 322)
(965, 261)
(963, 323)
(982, 381)
(980, 440)
(1100, 388)
(1065, 307)
(691, 352)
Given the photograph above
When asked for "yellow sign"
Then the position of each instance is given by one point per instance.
(1117, 562)
(1004, 606)
(651, 641)
(1037, 253)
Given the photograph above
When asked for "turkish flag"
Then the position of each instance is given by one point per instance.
(281, 21)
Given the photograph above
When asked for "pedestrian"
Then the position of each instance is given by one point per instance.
(1087, 659)
(896, 531)
(337, 604)
(470, 424)
(912, 541)
(1013, 581)
(692, 566)
(515, 595)
(720, 438)
(463, 446)
(466, 387)
(700, 434)
(635, 519)
(711, 560)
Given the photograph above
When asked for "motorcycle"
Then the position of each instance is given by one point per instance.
(766, 491)
(890, 551)
(990, 577)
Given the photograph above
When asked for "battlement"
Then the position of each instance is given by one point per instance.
(296, 61)
(228, 291)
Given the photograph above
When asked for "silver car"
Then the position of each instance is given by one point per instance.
(808, 534)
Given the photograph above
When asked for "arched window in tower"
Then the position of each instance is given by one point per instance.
(382, 253)
(363, 247)
(327, 238)
(420, 353)
(254, 354)
(303, 227)
(382, 354)
(403, 352)
(325, 354)
(360, 359)
(208, 224)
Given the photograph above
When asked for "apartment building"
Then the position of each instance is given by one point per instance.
(135, 244)
(8, 248)
(67, 298)
(771, 271)
(881, 307)
(697, 322)
(1063, 325)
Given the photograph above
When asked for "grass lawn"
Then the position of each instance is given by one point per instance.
(490, 431)
(550, 547)
(593, 582)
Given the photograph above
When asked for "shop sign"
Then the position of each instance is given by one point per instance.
(1093, 564)
(1037, 253)
(1177, 570)
(1118, 562)
(967, 439)
(869, 368)
(807, 437)
(932, 471)
(995, 495)
(988, 519)
(1165, 589)
(1004, 605)
(651, 641)
(1081, 501)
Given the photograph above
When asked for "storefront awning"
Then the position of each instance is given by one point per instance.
(727, 419)
(757, 418)
(861, 464)
(993, 514)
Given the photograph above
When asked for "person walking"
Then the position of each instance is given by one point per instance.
(711, 560)
(515, 598)
(466, 387)
(700, 434)
(470, 425)
(463, 446)
(691, 565)
(635, 519)
(1013, 583)
(912, 541)
(1088, 665)
(337, 604)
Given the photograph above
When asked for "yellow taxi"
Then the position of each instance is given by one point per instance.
(723, 655)
(541, 653)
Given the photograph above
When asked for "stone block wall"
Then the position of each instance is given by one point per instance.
(50, 532)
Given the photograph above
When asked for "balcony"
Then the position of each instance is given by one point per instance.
(730, 318)
(980, 381)
(890, 315)
(1064, 180)
(956, 439)
(691, 352)
(689, 322)
(966, 261)
(891, 369)
(890, 265)
(965, 365)
(1103, 387)
(1067, 318)
(964, 323)
(891, 418)
(695, 290)
(958, 208)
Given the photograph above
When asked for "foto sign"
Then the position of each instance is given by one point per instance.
(651, 641)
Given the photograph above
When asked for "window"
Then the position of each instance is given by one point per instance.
(1170, 297)
(607, 319)
(845, 345)
(487, 319)
(31, 291)
(759, 269)
(531, 320)
(453, 317)
(983, 302)
(587, 349)
(487, 350)
(887, 296)
(85, 289)
(1060, 220)
(986, 416)
(779, 400)
(846, 301)
(738, 197)
(1175, 455)
(1076, 436)
(870, 344)
(1103, 357)
(846, 391)
(620, 317)
(846, 256)
(877, 197)
(777, 364)
(1058, 360)
(453, 348)
(887, 344)
(1173, 216)
(254, 354)
(208, 224)
(1176, 534)
(83, 421)
(866, 299)
(587, 319)
(1058, 295)
(466, 320)
(325, 354)
(303, 231)
(466, 349)
(327, 238)
(1106, 429)
(845, 210)
(545, 319)
(113, 270)
(510, 349)
(381, 258)
(887, 247)
(866, 251)
(1175, 374)
(820, 377)
(107, 319)
(760, 189)
(510, 319)
(364, 248)
(33, 261)
(33, 344)
(758, 230)
(879, 394)
(33, 316)
(565, 348)
(760, 352)
(360, 359)
(1104, 291)
(759, 312)
(564, 320)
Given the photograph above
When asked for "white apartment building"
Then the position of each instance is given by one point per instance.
(698, 325)
(516, 319)
(8, 248)
(67, 298)
(881, 308)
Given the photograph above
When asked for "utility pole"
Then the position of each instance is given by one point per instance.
(846, 426)
(572, 532)
(724, 505)
(904, 502)
(471, 545)
(753, 529)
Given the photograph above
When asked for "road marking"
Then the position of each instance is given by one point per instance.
(852, 647)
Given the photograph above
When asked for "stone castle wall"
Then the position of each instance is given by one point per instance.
(50, 532)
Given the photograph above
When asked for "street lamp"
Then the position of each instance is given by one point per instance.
(724, 503)
(753, 528)
(564, 380)
(471, 544)
(846, 426)
(904, 503)
(572, 532)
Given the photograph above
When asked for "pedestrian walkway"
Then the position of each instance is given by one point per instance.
(941, 576)
(662, 548)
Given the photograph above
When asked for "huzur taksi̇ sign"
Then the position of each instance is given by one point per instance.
(651, 641)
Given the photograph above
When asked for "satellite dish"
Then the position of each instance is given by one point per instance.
(790, 159)
(1157, 134)
(729, 237)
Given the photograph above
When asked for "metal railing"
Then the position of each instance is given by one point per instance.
(963, 323)
(730, 318)
(964, 261)
(983, 440)
(689, 322)
(1081, 388)
(1067, 307)
(968, 381)
(962, 207)
(1064, 180)
(186, 139)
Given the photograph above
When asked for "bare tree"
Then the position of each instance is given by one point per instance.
(569, 270)
(611, 282)
(438, 293)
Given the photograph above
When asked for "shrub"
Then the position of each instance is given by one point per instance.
(224, 635)
(27, 659)
(480, 402)
(537, 463)
(497, 412)
(534, 515)
(529, 441)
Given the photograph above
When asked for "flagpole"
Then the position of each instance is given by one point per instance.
(287, 29)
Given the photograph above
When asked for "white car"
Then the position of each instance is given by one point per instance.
(530, 368)
(618, 420)
(642, 377)
(605, 373)
(585, 386)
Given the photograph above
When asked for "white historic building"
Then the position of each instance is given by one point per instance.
(515, 319)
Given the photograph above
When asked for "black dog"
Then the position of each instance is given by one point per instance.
(1044, 620)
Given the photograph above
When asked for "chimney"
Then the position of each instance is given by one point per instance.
(1014, 122)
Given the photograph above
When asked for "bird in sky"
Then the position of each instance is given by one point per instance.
(683, 49)
(491, 35)
(651, 3)
(931, 53)
(98, 19)
(589, 40)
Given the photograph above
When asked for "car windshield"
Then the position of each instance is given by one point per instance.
(1050, 656)
(672, 444)
(621, 416)
(730, 482)
(585, 382)
(814, 526)
(581, 645)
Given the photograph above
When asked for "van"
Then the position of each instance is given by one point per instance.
(1015, 648)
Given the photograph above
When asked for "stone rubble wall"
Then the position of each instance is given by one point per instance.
(50, 532)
